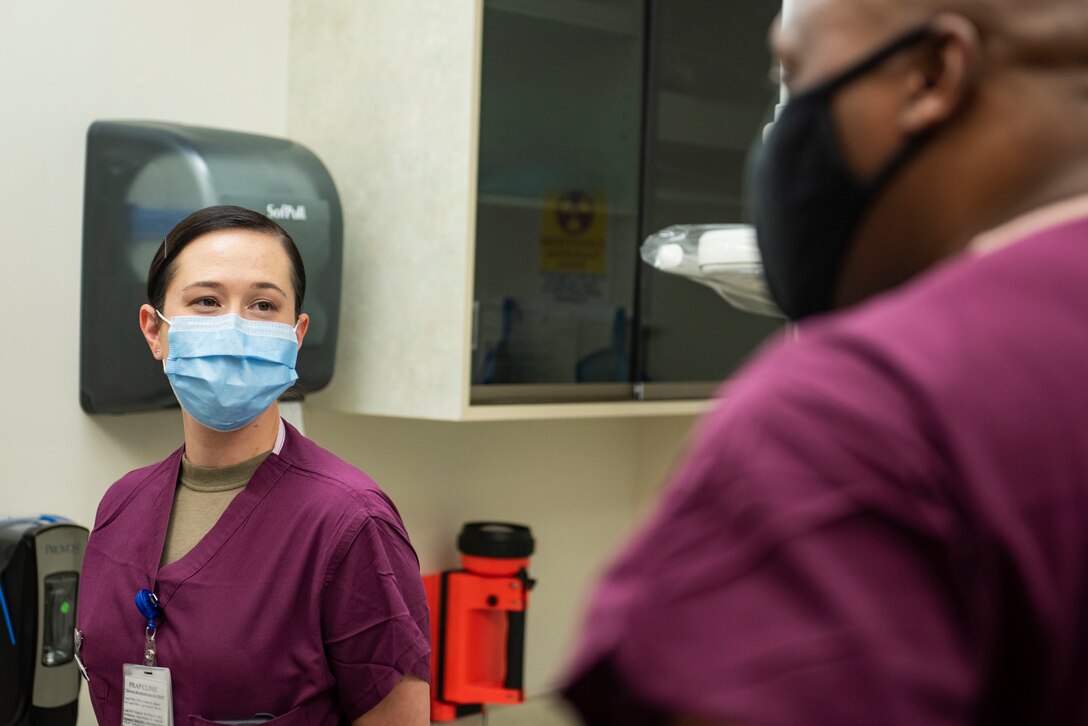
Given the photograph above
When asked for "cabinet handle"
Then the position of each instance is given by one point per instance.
(475, 325)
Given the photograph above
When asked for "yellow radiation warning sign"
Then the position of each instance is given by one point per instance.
(573, 233)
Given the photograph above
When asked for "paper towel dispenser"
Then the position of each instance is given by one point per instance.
(40, 562)
(142, 178)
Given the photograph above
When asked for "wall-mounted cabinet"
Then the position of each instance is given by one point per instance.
(500, 162)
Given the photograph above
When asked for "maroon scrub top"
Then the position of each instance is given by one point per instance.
(883, 522)
(304, 600)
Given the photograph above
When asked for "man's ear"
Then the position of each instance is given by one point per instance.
(946, 77)
(151, 327)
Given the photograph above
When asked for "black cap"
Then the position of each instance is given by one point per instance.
(495, 539)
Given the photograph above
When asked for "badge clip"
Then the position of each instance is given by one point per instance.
(147, 603)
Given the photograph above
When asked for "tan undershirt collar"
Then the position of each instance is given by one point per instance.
(204, 494)
(219, 478)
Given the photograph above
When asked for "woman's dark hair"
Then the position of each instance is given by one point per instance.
(211, 219)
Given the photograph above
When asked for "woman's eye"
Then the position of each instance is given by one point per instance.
(265, 307)
(205, 302)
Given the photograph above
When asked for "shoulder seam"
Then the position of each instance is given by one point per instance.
(136, 488)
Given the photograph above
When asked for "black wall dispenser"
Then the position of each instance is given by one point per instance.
(142, 178)
(40, 563)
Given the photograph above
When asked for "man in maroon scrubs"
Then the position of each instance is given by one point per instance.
(886, 520)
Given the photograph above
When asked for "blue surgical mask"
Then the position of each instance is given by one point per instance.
(226, 370)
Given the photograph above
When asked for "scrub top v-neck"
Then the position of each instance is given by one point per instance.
(303, 600)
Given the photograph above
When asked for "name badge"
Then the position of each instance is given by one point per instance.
(149, 698)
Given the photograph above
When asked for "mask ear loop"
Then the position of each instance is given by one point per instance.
(158, 351)
(912, 145)
(869, 63)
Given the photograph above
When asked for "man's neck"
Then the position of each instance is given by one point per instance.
(208, 448)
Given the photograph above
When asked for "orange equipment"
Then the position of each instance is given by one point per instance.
(478, 621)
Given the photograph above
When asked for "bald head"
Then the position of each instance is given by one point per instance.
(818, 36)
(1041, 33)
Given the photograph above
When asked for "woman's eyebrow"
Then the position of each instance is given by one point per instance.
(220, 286)
(268, 286)
(213, 285)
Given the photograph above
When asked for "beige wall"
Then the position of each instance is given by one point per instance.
(578, 484)
(63, 65)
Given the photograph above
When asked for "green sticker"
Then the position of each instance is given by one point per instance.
(65, 607)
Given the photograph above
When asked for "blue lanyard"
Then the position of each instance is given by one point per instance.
(148, 605)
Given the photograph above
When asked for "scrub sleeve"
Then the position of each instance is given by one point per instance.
(791, 575)
(374, 612)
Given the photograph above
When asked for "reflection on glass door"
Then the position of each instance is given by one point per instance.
(708, 97)
(561, 116)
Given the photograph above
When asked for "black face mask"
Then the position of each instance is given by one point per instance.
(805, 201)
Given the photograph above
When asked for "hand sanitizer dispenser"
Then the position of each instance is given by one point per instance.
(40, 561)
(144, 177)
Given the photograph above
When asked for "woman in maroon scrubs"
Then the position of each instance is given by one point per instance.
(285, 582)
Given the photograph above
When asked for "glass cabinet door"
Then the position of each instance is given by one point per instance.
(707, 102)
(602, 121)
(561, 114)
